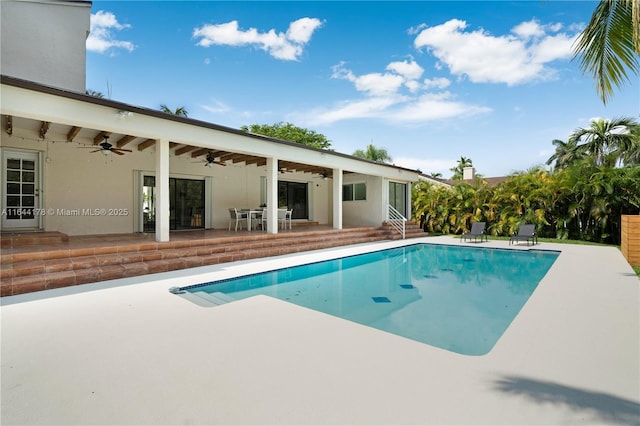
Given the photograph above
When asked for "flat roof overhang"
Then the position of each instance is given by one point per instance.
(42, 108)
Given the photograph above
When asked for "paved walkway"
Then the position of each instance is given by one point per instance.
(129, 352)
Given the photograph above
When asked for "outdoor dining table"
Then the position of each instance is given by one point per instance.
(251, 213)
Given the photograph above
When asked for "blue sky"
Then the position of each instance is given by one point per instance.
(429, 81)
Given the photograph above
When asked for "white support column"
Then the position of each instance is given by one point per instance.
(162, 190)
(337, 198)
(408, 200)
(272, 195)
(385, 199)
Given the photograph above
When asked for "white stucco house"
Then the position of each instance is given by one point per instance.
(153, 176)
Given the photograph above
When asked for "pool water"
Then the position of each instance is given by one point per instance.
(461, 299)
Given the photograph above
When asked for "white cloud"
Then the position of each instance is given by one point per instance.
(430, 107)
(285, 46)
(216, 107)
(374, 107)
(409, 70)
(396, 96)
(528, 29)
(520, 57)
(101, 38)
(438, 83)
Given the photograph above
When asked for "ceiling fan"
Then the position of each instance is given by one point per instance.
(284, 170)
(210, 160)
(106, 148)
(323, 176)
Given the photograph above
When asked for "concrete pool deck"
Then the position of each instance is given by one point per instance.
(129, 352)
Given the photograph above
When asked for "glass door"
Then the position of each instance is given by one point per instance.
(398, 197)
(186, 204)
(294, 195)
(21, 190)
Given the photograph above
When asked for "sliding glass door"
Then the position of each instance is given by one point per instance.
(186, 203)
(398, 197)
(294, 195)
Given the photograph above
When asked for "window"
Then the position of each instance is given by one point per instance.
(354, 192)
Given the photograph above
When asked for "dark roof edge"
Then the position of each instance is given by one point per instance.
(31, 85)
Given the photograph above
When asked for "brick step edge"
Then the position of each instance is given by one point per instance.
(52, 280)
(33, 267)
(63, 253)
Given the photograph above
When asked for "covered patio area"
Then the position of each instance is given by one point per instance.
(83, 165)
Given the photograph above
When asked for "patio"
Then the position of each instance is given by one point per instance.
(129, 352)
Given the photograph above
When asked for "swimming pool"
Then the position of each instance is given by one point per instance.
(461, 299)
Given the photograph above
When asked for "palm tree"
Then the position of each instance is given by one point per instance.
(372, 153)
(458, 171)
(606, 141)
(632, 156)
(610, 44)
(565, 155)
(180, 111)
(94, 93)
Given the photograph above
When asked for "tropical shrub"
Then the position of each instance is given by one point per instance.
(583, 201)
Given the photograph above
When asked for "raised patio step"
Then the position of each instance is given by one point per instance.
(26, 272)
(17, 239)
(412, 230)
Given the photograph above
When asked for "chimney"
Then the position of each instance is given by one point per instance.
(468, 173)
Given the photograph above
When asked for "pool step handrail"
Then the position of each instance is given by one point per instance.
(396, 220)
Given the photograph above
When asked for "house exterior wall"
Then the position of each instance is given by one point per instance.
(44, 41)
(76, 181)
(364, 212)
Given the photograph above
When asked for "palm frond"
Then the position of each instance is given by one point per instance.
(608, 47)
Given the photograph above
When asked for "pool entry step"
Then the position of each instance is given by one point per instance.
(202, 298)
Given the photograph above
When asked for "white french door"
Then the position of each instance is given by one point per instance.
(21, 207)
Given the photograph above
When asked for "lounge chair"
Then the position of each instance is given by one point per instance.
(477, 232)
(525, 233)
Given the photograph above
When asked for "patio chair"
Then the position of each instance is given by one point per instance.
(238, 217)
(282, 217)
(477, 232)
(263, 219)
(527, 233)
(287, 217)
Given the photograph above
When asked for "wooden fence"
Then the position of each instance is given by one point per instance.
(630, 241)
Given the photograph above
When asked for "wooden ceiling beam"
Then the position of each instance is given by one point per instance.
(146, 144)
(254, 160)
(73, 132)
(199, 152)
(97, 140)
(44, 128)
(124, 140)
(9, 127)
(231, 156)
(185, 149)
